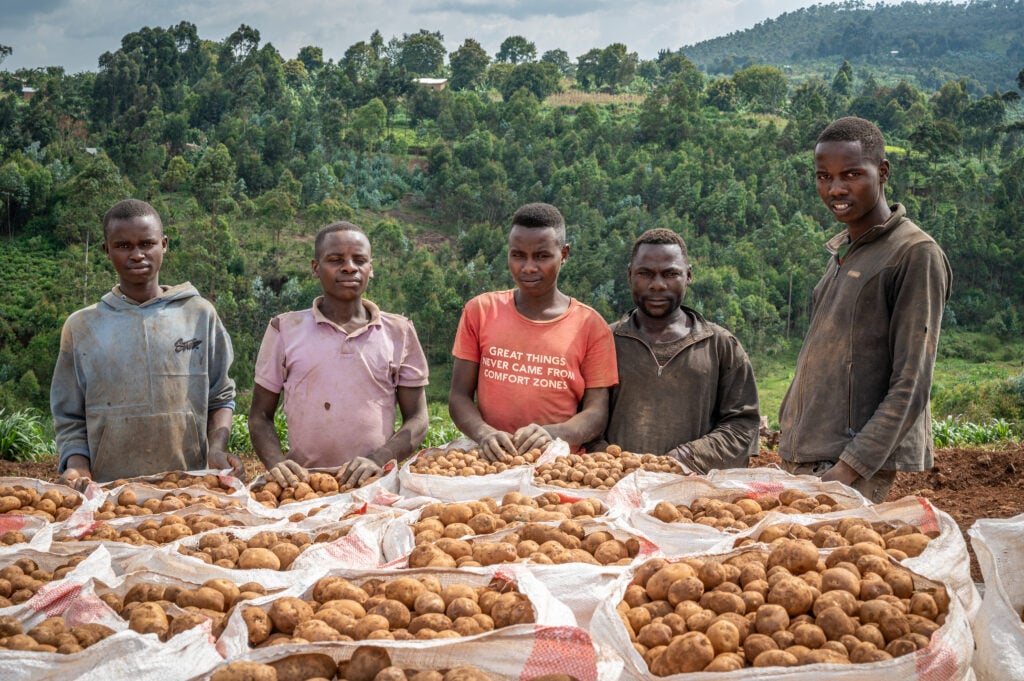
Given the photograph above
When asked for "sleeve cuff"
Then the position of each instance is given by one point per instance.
(230, 404)
(62, 464)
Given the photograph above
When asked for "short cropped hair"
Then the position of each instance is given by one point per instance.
(126, 210)
(340, 226)
(658, 236)
(540, 216)
(853, 129)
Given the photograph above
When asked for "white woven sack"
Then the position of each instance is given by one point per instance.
(998, 629)
(91, 499)
(444, 488)
(507, 654)
(382, 492)
(56, 597)
(225, 476)
(38, 531)
(947, 658)
(234, 641)
(124, 656)
(144, 492)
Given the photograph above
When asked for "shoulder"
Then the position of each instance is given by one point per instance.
(394, 321)
(491, 299)
(583, 311)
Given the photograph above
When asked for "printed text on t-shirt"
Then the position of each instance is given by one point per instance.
(526, 368)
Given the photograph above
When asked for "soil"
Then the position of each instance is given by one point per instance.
(966, 483)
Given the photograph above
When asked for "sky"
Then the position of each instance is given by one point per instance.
(74, 33)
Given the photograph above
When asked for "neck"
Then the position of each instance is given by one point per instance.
(342, 312)
(878, 216)
(141, 293)
(543, 307)
(670, 327)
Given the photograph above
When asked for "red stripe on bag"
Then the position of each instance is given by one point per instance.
(11, 522)
(561, 650)
(929, 522)
(54, 598)
(938, 664)
(765, 489)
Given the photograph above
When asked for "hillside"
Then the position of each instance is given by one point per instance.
(924, 43)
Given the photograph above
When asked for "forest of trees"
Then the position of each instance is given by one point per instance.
(246, 152)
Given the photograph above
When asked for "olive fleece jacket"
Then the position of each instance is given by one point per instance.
(133, 383)
(864, 374)
(703, 397)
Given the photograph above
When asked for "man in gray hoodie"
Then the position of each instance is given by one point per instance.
(141, 383)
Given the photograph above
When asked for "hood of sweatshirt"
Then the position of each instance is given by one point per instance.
(118, 301)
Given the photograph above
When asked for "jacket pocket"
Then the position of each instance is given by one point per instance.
(143, 445)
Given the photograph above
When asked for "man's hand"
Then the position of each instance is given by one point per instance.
(684, 456)
(497, 445)
(841, 472)
(358, 471)
(531, 437)
(220, 460)
(77, 474)
(288, 474)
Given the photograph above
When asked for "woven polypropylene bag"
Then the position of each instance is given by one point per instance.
(998, 629)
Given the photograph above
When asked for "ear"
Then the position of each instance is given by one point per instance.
(689, 273)
(163, 243)
(316, 267)
(565, 253)
(883, 170)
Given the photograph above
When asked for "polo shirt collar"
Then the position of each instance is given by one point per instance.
(368, 305)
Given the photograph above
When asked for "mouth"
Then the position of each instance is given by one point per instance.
(840, 206)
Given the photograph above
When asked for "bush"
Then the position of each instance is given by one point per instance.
(22, 437)
(956, 432)
(239, 441)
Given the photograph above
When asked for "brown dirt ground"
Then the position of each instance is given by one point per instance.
(966, 483)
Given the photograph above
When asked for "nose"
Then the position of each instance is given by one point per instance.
(836, 187)
(137, 254)
(657, 282)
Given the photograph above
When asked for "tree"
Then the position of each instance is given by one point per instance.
(90, 193)
(468, 65)
(588, 69)
(842, 84)
(617, 67)
(368, 124)
(762, 88)
(214, 177)
(420, 54)
(560, 58)
(721, 94)
(312, 57)
(5, 52)
(540, 78)
(515, 49)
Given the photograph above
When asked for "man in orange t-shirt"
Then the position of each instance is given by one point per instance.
(531, 364)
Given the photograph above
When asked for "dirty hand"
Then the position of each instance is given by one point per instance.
(358, 471)
(496, 446)
(841, 472)
(288, 474)
(220, 460)
(77, 473)
(531, 437)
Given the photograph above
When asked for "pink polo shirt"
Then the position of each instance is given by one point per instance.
(339, 389)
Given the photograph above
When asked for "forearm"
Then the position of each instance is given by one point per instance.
(218, 428)
(265, 440)
(588, 424)
(467, 418)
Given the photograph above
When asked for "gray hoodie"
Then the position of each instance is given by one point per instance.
(133, 383)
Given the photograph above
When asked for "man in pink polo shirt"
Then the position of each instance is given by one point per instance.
(343, 365)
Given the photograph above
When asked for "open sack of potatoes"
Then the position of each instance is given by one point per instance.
(784, 614)
(133, 500)
(613, 475)
(210, 479)
(703, 514)
(28, 504)
(40, 584)
(999, 623)
(911, 530)
(459, 472)
(324, 487)
(510, 654)
(250, 553)
(431, 520)
(365, 605)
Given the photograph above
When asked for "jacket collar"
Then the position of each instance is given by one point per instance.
(833, 245)
(370, 307)
(628, 327)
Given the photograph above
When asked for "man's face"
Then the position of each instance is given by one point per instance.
(136, 247)
(344, 267)
(658, 277)
(850, 183)
(535, 257)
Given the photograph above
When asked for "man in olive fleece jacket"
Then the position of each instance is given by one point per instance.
(857, 410)
(686, 387)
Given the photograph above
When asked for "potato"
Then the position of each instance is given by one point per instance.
(404, 590)
(911, 544)
(258, 559)
(92, 633)
(149, 618)
(690, 652)
(658, 584)
(304, 666)
(796, 555)
(724, 637)
(289, 612)
(793, 594)
(205, 597)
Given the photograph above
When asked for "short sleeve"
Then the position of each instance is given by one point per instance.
(413, 372)
(270, 367)
(467, 337)
(600, 368)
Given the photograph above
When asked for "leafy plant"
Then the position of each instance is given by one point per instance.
(22, 436)
(953, 431)
(239, 441)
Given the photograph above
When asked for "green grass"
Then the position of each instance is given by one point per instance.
(23, 436)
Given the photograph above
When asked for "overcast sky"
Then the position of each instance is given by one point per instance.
(74, 33)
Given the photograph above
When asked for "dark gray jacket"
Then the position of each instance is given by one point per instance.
(863, 378)
(704, 396)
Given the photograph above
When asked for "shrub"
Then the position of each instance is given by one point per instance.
(22, 436)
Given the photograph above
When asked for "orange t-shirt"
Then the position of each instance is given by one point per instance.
(533, 371)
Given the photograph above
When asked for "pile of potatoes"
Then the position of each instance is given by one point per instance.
(455, 520)
(742, 513)
(531, 542)
(155, 532)
(403, 608)
(272, 495)
(178, 480)
(783, 608)
(368, 663)
(267, 550)
(52, 505)
(899, 541)
(600, 470)
(51, 635)
(20, 580)
(458, 463)
(127, 504)
(147, 606)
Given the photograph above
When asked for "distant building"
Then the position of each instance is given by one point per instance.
(92, 151)
(432, 83)
(27, 92)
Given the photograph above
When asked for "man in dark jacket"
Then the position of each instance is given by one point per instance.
(686, 387)
(857, 410)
